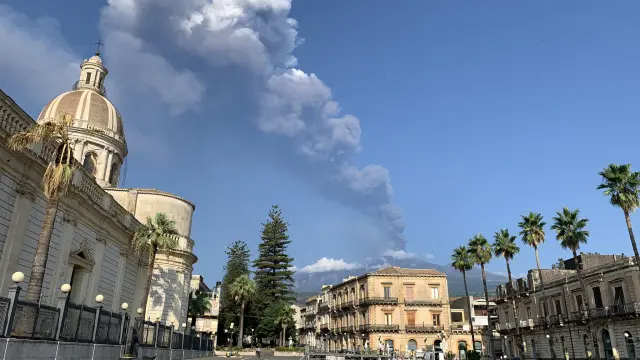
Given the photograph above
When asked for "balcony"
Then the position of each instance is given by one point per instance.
(323, 306)
(379, 301)
(378, 328)
(324, 326)
(346, 304)
(428, 302)
(556, 320)
(423, 328)
(346, 329)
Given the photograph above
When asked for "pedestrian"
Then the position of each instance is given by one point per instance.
(258, 351)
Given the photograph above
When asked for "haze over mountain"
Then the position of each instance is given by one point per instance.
(312, 280)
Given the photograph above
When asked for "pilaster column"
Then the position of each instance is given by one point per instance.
(104, 155)
(62, 274)
(122, 263)
(25, 197)
(98, 256)
(107, 168)
(614, 341)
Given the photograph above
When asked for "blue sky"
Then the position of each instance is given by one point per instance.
(471, 114)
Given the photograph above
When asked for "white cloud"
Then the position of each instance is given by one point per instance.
(329, 264)
(404, 255)
(399, 254)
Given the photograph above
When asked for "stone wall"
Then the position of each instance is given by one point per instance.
(18, 349)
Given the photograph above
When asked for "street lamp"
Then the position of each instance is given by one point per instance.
(17, 277)
(99, 299)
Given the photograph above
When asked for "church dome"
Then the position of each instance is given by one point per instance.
(87, 102)
(90, 110)
(96, 131)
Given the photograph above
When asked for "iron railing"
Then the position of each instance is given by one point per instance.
(34, 321)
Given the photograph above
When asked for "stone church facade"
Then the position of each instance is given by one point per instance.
(90, 246)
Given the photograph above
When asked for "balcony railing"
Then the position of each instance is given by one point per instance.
(324, 326)
(346, 304)
(418, 302)
(89, 85)
(423, 328)
(379, 301)
(378, 328)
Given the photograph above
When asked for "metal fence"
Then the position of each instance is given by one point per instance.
(34, 321)
(81, 323)
(78, 323)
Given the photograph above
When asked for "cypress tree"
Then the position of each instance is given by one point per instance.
(273, 275)
(237, 265)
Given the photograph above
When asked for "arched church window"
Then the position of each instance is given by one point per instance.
(89, 162)
(115, 172)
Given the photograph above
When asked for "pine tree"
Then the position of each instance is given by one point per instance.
(237, 265)
(273, 275)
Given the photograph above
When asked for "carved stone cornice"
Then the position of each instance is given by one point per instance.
(26, 190)
(124, 252)
(101, 237)
(70, 218)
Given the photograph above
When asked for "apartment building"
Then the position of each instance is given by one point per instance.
(207, 322)
(556, 323)
(393, 308)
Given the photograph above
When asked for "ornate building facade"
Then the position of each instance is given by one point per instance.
(393, 308)
(90, 246)
(556, 323)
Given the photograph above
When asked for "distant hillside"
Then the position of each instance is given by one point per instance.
(310, 283)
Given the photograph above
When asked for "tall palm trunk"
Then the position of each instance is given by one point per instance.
(633, 238)
(515, 312)
(466, 292)
(583, 287)
(544, 296)
(240, 344)
(284, 335)
(39, 266)
(147, 285)
(489, 327)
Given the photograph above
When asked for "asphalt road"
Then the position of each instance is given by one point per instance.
(268, 355)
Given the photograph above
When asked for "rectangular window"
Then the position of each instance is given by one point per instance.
(529, 312)
(88, 78)
(364, 319)
(408, 293)
(618, 296)
(387, 292)
(597, 297)
(388, 320)
(411, 318)
(436, 319)
(558, 307)
(544, 309)
(435, 293)
(579, 302)
(456, 317)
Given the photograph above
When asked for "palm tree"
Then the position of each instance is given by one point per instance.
(623, 187)
(242, 289)
(505, 246)
(480, 252)
(462, 262)
(158, 234)
(571, 232)
(532, 232)
(199, 304)
(284, 318)
(56, 181)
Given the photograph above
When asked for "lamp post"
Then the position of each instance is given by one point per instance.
(184, 330)
(65, 289)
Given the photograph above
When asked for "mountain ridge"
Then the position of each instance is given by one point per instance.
(312, 282)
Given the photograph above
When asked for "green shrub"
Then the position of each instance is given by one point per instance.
(473, 355)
